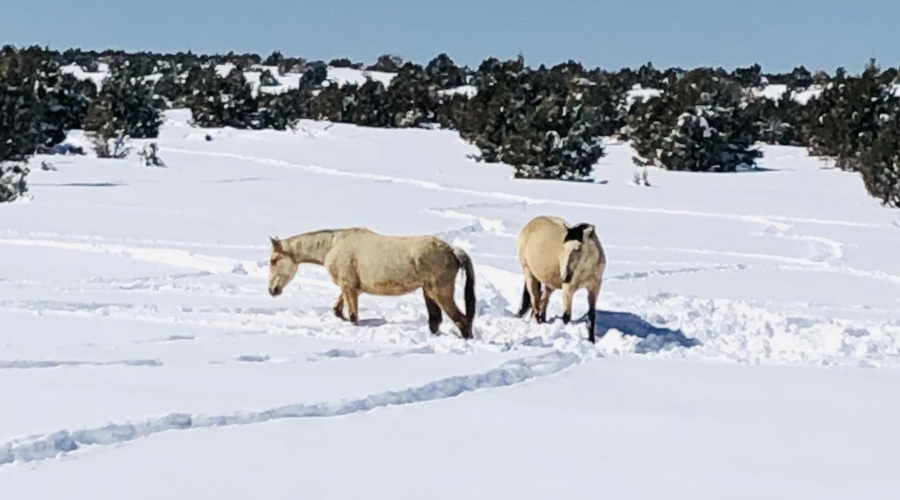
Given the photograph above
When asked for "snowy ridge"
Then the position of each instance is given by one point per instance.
(61, 442)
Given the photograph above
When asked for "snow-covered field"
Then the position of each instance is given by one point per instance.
(750, 330)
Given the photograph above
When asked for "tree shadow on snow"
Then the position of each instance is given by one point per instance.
(653, 338)
(81, 184)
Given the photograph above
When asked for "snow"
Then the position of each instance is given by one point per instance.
(338, 76)
(469, 91)
(344, 76)
(97, 77)
(749, 330)
(638, 94)
(776, 90)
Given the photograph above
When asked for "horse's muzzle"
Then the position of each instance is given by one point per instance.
(275, 292)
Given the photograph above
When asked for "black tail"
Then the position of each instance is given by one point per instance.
(526, 301)
(469, 292)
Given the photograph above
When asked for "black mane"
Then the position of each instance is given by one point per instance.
(576, 233)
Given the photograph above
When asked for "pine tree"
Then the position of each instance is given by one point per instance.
(274, 59)
(411, 99)
(20, 109)
(126, 103)
(222, 102)
(444, 73)
(879, 162)
(280, 111)
(848, 115)
(266, 79)
(388, 63)
(699, 124)
(315, 75)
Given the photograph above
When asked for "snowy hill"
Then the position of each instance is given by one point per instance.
(750, 335)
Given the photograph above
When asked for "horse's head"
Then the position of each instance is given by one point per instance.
(282, 268)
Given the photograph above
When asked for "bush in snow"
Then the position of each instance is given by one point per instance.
(266, 79)
(222, 102)
(343, 62)
(879, 163)
(847, 116)
(444, 73)
(126, 105)
(20, 111)
(535, 120)
(783, 122)
(316, 74)
(40, 104)
(411, 99)
(274, 59)
(281, 111)
(388, 63)
(699, 124)
(12, 182)
(149, 154)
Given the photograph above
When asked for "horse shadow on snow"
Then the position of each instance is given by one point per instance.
(653, 338)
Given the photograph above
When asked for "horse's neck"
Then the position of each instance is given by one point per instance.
(311, 247)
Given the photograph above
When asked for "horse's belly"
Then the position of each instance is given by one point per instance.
(388, 287)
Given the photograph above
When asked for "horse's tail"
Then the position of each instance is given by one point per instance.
(466, 264)
(526, 301)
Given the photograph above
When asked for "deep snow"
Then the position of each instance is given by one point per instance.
(141, 357)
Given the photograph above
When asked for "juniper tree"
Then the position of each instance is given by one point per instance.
(126, 104)
(698, 124)
(879, 162)
(846, 117)
(387, 63)
(217, 101)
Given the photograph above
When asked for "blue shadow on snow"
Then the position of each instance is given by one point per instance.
(653, 338)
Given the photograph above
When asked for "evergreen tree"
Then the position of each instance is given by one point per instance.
(879, 162)
(411, 99)
(444, 73)
(699, 124)
(267, 80)
(749, 77)
(343, 62)
(536, 121)
(280, 111)
(20, 109)
(274, 59)
(126, 103)
(315, 75)
(331, 103)
(388, 63)
(848, 115)
(800, 79)
(222, 102)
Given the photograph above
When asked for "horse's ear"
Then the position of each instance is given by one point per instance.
(276, 244)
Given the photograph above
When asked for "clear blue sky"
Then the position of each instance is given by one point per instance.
(779, 34)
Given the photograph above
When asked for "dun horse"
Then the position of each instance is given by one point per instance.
(558, 256)
(362, 261)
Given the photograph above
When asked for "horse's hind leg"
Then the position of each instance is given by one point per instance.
(339, 307)
(533, 287)
(352, 297)
(434, 313)
(444, 298)
(541, 311)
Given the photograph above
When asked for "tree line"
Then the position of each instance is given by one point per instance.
(545, 122)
